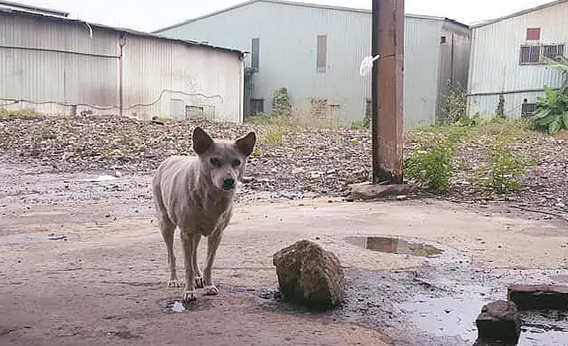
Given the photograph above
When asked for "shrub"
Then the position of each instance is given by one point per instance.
(281, 104)
(431, 168)
(505, 168)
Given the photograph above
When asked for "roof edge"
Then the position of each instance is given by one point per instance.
(34, 9)
(519, 13)
(122, 30)
(299, 4)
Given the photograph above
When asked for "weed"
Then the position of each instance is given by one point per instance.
(273, 135)
(505, 166)
(500, 111)
(455, 104)
(431, 168)
(363, 124)
(6, 114)
(44, 134)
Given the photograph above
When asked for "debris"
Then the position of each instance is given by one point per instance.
(309, 275)
(368, 191)
(538, 297)
(498, 321)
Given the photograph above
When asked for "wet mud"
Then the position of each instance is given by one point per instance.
(435, 304)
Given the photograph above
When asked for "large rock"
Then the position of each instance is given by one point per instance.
(499, 321)
(538, 297)
(309, 275)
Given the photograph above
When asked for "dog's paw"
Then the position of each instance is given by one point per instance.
(211, 290)
(199, 282)
(189, 296)
(174, 284)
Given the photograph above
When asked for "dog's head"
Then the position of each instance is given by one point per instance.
(223, 162)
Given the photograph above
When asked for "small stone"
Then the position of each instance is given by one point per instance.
(309, 275)
(499, 321)
(537, 297)
(402, 197)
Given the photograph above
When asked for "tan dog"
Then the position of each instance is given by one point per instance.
(196, 195)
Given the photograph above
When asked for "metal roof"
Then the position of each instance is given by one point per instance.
(520, 13)
(31, 8)
(25, 13)
(299, 4)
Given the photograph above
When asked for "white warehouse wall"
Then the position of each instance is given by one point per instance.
(288, 41)
(495, 68)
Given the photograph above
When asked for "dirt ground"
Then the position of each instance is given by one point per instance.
(106, 284)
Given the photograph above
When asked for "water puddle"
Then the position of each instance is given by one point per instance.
(455, 317)
(395, 245)
(178, 306)
(36, 238)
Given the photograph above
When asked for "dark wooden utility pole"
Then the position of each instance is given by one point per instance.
(388, 42)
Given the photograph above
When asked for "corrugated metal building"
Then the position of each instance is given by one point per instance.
(57, 65)
(505, 59)
(315, 51)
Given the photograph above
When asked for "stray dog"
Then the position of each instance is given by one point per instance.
(196, 195)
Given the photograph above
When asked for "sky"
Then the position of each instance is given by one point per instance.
(149, 15)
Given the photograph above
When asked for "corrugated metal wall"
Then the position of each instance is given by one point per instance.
(54, 64)
(193, 81)
(288, 42)
(495, 64)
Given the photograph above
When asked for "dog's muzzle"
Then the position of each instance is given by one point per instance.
(228, 184)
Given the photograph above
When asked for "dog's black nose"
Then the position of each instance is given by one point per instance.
(228, 183)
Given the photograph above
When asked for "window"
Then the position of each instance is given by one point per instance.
(321, 59)
(443, 40)
(533, 34)
(527, 108)
(553, 51)
(194, 112)
(255, 58)
(256, 106)
(530, 55)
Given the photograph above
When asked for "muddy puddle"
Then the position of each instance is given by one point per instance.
(432, 305)
(31, 238)
(395, 246)
(177, 306)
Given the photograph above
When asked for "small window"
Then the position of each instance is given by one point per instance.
(194, 112)
(530, 55)
(442, 39)
(321, 63)
(255, 58)
(533, 34)
(553, 51)
(527, 109)
(256, 106)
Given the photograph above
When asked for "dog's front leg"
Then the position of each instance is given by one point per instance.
(212, 244)
(189, 248)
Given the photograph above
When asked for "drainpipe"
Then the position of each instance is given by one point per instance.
(121, 44)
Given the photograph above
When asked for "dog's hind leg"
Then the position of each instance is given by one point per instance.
(198, 276)
(213, 242)
(168, 230)
(189, 249)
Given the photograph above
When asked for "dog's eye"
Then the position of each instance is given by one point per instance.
(236, 163)
(216, 162)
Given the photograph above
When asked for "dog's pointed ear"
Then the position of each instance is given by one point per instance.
(201, 141)
(246, 144)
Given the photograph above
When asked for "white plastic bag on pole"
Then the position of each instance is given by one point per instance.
(367, 65)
